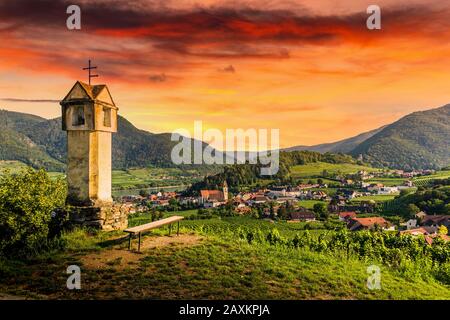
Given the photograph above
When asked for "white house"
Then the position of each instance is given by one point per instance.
(388, 190)
(411, 224)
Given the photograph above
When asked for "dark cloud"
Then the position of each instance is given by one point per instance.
(145, 35)
(158, 77)
(229, 69)
(212, 25)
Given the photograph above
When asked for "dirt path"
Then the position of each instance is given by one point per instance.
(5, 296)
(121, 258)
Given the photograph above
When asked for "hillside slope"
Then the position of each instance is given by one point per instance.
(41, 143)
(420, 140)
(16, 145)
(342, 146)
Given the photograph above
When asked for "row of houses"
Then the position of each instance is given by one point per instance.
(215, 198)
(426, 225)
(139, 203)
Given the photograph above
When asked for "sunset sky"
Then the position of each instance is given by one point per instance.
(308, 68)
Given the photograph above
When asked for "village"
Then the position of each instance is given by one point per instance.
(286, 203)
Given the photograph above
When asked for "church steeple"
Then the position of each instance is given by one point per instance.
(225, 190)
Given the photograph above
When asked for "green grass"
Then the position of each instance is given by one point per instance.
(309, 204)
(134, 178)
(222, 225)
(214, 268)
(137, 220)
(377, 198)
(425, 180)
(388, 182)
(315, 180)
(153, 177)
(316, 169)
(12, 166)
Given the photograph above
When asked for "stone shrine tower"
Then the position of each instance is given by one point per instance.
(89, 115)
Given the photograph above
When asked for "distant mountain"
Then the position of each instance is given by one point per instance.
(420, 140)
(15, 145)
(342, 146)
(41, 143)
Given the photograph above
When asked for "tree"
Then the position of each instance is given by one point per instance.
(442, 230)
(174, 204)
(156, 214)
(282, 213)
(144, 193)
(447, 208)
(321, 210)
(27, 201)
(412, 210)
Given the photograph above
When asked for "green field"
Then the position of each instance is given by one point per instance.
(134, 178)
(153, 177)
(223, 225)
(377, 198)
(418, 181)
(388, 182)
(425, 180)
(12, 166)
(309, 204)
(207, 261)
(317, 168)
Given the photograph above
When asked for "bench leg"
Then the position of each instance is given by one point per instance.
(178, 228)
(139, 244)
(129, 242)
(170, 229)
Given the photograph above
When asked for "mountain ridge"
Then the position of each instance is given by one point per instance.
(340, 146)
(419, 140)
(40, 142)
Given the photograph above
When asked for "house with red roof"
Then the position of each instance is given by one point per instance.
(302, 214)
(356, 224)
(347, 215)
(214, 198)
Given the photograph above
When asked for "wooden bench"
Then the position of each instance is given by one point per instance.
(152, 225)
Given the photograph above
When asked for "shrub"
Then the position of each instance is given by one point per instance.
(27, 201)
(274, 237)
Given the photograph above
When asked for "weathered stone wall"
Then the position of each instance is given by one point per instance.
(78, 150)
(109, 217)
(100, 167)
(89, 167)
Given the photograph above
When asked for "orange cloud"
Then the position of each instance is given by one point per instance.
(317, 74)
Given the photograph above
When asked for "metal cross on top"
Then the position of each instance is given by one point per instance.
(89, 68)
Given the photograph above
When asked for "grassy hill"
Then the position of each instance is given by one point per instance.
(17, 145)
(342, 146)
(420, 140)
(133, 178)
(208, 264)
(317, 168)
(41, 143)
